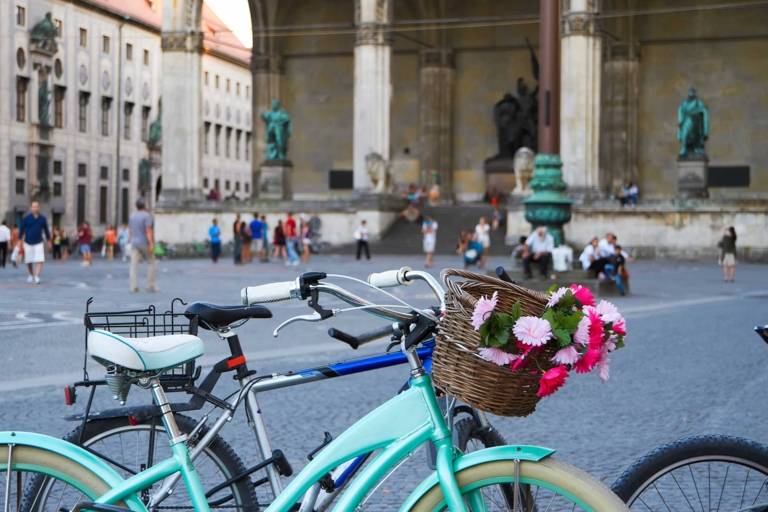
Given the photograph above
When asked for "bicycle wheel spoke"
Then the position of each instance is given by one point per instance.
(682, 492)
(644, 503)
(662, 497)
(722, 489)
(744, 490)
(698, 495)
(760, 491)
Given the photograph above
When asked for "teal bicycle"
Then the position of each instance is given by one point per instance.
(514, 477)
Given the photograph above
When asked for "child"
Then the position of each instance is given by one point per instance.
(619, 269)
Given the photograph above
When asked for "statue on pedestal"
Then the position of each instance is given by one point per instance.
(378, 171)
(692, 127)
(278, 131)
(156, 128)
(43, 35)
(44, 101)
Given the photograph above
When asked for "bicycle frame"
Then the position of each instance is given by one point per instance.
(396, 427)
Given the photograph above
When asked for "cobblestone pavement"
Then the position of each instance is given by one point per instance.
(692, 363)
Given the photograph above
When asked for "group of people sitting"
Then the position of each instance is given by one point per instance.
(605, 259)
(601, 258)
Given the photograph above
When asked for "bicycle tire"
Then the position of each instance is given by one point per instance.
(468, 429)
(218, 451)
(84, 483)
(563, 480)
(663, 460)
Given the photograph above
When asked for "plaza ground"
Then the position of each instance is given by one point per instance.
(692, 362)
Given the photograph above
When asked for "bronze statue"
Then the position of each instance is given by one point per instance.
(43, 101)
(43, 35)
(278, 131)
(156, 128)
(516, 116)
(692, 127)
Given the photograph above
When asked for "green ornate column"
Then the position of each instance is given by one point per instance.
(548, 206)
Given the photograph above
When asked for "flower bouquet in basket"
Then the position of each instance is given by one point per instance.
(580, 333)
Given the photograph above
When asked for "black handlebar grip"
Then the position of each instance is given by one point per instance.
(342, 336)
(362, 339)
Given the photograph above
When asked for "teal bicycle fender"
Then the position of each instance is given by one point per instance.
(464, 461)
(74, 453)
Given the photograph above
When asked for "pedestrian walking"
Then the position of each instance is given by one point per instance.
(56, 240)
(214, 236)
(245, 235)
(278, 241)
(306, 240)
(122, 242)
(291, 240)
(16, 250)
(257, 229)
(483, 236)
(264, 239)
(5, 238)
(429, 232)
(110, 240)
(361, 235)
(141, 235)
(64, 245)
(33, 233)
(237, 239)
(727, 245)
(84, 241)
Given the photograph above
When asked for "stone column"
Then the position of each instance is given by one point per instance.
(580, 99)
(181, 89)
(436, 78)
(618, 150)
(265, 72)
(373, 87)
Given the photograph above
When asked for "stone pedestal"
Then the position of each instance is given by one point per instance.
(692, 178)
(500, 175)
(275, 180)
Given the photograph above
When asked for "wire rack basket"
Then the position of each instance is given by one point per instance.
(145, 323)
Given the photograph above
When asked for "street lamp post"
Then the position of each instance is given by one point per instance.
(548, 206)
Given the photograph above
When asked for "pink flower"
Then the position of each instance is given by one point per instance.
(556, 296)
(496, 356)
(581, 335)
(620, 327)
(603, 369)
(608, 312)
(552, 380)
(567, 355)
(604, 363)
(583, 295)
(588, 361)
(596, 330)
(483, 309)
(532, 330)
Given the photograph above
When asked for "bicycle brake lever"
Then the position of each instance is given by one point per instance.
(314, 317)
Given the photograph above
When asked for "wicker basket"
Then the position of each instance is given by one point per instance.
(459, 371)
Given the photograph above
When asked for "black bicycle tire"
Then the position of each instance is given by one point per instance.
(664, 458)
(221, 449)
(468, 428)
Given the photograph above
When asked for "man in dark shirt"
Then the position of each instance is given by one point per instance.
(33, 232)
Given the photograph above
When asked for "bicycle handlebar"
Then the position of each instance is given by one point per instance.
(389, 278)
(361, 339)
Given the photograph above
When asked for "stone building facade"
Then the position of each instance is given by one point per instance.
(416, 81)
(102, 72)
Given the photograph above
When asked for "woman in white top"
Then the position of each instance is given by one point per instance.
(429, 230)
(483, 233)
(590, 254)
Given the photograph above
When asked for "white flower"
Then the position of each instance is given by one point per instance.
(556, 296)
